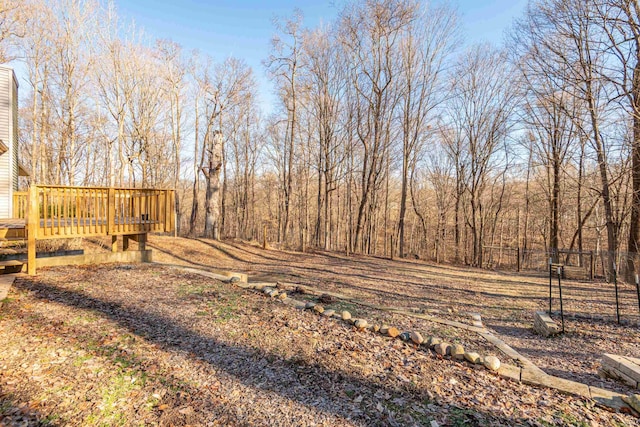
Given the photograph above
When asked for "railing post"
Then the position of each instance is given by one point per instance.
(167, 211)
(111, 210)
(33, 218)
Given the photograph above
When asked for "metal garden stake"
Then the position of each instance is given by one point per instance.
(615, 282)
(560, 290)
(550, 276)
(638, 291)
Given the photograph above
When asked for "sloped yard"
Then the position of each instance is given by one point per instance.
(153, 345)
(506, 301)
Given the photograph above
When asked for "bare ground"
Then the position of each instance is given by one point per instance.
(506, 301)
(153, 345)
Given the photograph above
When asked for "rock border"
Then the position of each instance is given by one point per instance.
(528, 374)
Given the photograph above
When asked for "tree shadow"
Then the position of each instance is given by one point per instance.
(13, 413)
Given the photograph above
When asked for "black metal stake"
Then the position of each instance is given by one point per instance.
(615, 282)
(550, 277)
(638, 291)
(560, 289)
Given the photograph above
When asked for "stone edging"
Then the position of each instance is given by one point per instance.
(529, 373)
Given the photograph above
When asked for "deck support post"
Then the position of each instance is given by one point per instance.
(114, 243)
(142, 242)
(33, 218)
(141, 239)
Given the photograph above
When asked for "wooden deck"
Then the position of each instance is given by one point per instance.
(55, 212)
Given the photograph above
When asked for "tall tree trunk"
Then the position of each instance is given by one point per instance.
(634, 225)
(212, 200)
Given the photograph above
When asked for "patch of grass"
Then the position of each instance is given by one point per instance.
(339, 306)
(225, 313)
(222, 309)
(571, 420)
(5, 406)
(459, 417)
(51, 419)
(81, 359)
(186, 289)
(82, 319)
(567, 420)
(112, 395)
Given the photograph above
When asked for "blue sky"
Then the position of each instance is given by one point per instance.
(243, 28)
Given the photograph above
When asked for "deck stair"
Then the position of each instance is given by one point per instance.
(12, 230)
(11, 266)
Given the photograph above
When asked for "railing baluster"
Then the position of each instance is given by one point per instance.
(81, 211)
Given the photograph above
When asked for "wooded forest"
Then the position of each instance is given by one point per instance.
(387, 136)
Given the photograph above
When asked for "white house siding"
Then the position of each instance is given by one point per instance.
(8, 134)
(14, 130)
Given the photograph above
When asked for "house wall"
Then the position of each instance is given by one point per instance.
(9, 135)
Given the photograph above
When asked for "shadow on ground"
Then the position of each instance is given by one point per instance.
(224, 357)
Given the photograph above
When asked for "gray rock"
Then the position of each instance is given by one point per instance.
(492, 363)
(310, 305)
(405, 336)
(328, 313)
(360, 323)
(416, 337)
(443, 349)
(346, 315)
(384, 329)
(472, 357)
(318, 308)
(433, 341)
(266, 290)
(457, 352)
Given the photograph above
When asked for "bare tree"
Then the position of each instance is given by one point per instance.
(170, 56)
(428, 41)
(284, 65)
(481, 109)
(372, 37)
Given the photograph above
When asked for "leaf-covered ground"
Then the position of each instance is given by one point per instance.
(505, 300)
(152, 345)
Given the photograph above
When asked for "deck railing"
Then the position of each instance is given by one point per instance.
(20, 201)
(66, 212)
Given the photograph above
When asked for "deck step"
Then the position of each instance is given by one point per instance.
(11, 266)
(12, 233)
